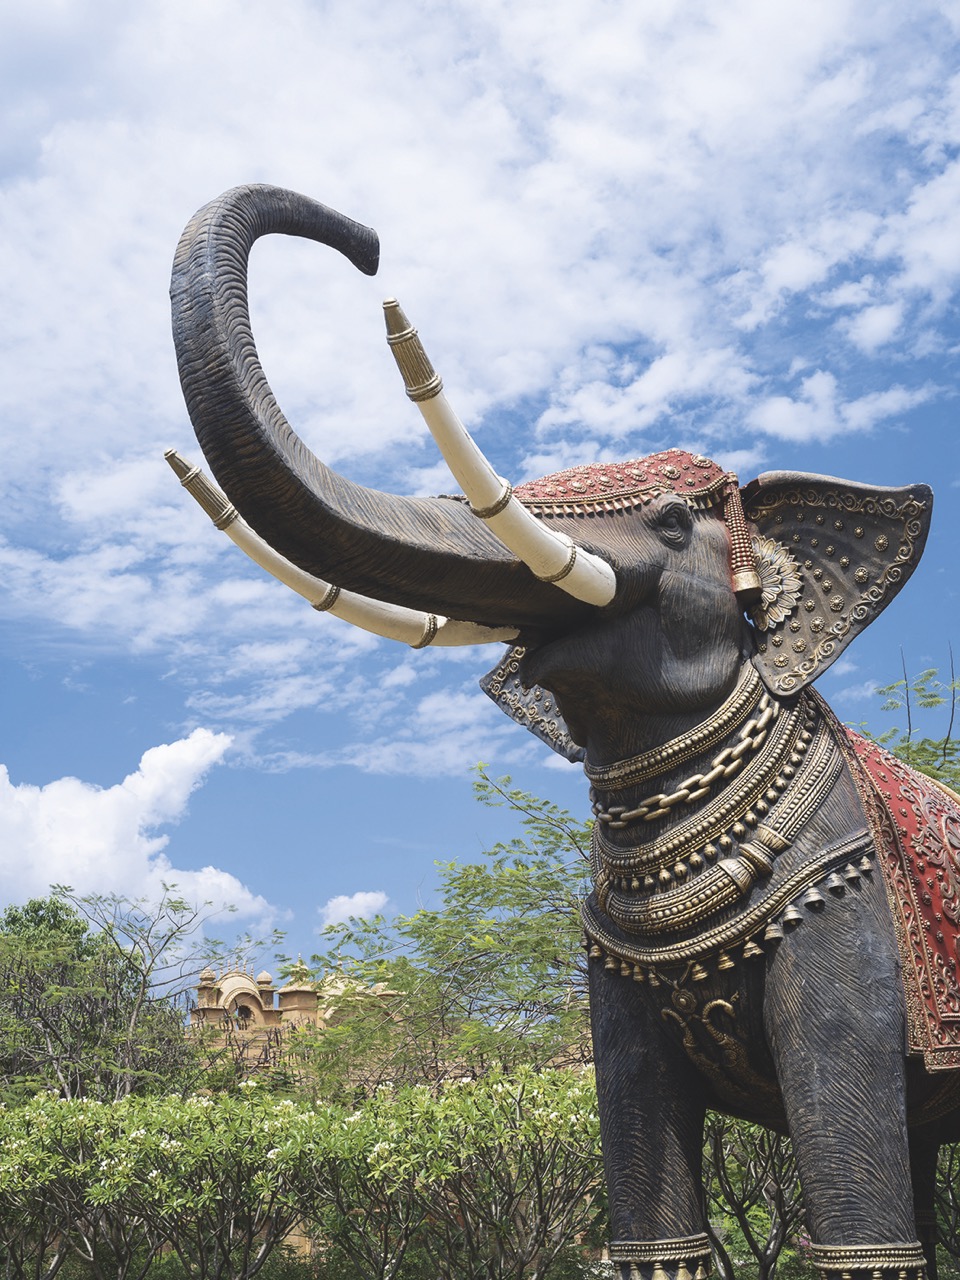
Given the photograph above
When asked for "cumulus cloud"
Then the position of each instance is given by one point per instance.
(362, 905)
(819, 412)
(612, 226)
(109, 839)
(874, 327)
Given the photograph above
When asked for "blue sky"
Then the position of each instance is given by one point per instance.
(618, 227)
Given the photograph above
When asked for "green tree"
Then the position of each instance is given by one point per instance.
(938, 757)
(92, 994)
(492, 976)
(753, 1195)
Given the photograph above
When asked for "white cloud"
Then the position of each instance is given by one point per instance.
(362, 905)
(612, 222)
(844, 666)
(874, 327)
(866, 691)
(108, 839)
(818, 413)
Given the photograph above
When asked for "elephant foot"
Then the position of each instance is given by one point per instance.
(687, 1258)
(869, 1261)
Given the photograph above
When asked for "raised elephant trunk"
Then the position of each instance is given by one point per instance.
(425, 553)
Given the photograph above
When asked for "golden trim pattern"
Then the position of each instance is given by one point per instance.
(683, 1252)
(786, 748)
(721, 768)
(501, 504)
(868, 1257)
(565, 571)
(677, 1249)
(328, 600)
(732, 933)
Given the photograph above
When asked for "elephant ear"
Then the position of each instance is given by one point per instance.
(831, 556)
(535, 708)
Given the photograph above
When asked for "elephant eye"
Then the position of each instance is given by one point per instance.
(674, 521)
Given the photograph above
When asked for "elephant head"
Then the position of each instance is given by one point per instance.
(672, 548)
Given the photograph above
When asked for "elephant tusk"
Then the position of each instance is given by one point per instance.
(393, 622)
(551, 557)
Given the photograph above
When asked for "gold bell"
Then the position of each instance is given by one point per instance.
(751, 950)
(637, 973)
(851, 874)
(724, 961)
(865, 865)
(835, 885)
(698, 973)
(813, 899)
(611, 963)
(596, 952)
(773, 932)
(625, 969)
(792, 916)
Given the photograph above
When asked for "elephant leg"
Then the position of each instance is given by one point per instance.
(651, 1124)
(924, 1149)
(835, 1020)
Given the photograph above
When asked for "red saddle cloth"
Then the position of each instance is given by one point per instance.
(916, 825)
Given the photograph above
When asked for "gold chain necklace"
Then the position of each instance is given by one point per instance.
(723, 766)
(649, 764)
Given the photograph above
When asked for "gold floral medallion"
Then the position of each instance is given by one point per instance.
(780, 583)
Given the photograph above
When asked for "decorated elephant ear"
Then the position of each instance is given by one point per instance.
(831, 555)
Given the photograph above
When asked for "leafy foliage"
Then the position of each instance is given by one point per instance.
(489, 978)
(486, 1178)
(937, 757)
(92, 994)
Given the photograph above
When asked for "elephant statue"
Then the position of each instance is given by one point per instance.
(773, 925)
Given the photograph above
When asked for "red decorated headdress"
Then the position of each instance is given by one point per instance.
(602, 487)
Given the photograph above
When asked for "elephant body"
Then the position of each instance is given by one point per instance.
(783, 1004)
(748, 950)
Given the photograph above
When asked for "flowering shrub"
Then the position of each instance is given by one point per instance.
(487, 1177)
